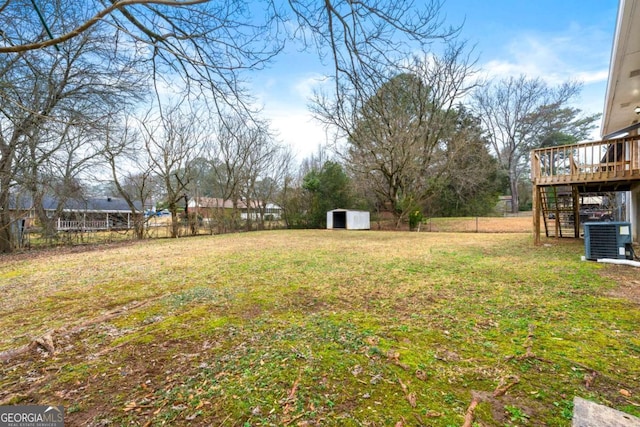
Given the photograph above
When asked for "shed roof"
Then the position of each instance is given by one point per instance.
(347, 210)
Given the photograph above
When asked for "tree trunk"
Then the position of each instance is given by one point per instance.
(6, 241)
(47, 224)
(194, 225)
(138, 226)
(6, 161)
(175, 225)
(513, 183)
(249, 221)
(234, 215)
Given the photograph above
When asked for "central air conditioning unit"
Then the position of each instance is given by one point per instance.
(610, 240)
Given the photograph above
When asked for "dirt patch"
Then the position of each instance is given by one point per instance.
(627, 279)
(306, 300)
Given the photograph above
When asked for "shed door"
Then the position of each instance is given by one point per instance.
(340, 219)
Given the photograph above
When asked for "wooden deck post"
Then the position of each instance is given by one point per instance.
(535, 207)
(575, 196)
(535, 201)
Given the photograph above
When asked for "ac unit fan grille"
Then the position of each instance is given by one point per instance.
(603, 242)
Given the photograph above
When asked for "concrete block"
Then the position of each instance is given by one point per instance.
(589, 414)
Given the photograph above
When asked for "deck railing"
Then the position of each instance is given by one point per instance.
(599, 161)
(64, 225)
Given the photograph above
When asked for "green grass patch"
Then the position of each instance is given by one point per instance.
(322, 328)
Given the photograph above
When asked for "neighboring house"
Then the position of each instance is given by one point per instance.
(562, 175)
(272, 212)
(212, 207)
(91, 214)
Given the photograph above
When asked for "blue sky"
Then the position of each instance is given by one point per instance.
(555, 40)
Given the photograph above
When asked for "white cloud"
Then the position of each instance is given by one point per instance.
(588, 77)
(296, 127)
(579, 53)
(306, 86)
(286, 106)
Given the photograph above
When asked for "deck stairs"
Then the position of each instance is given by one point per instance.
(559, 205)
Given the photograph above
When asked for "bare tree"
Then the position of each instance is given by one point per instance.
(516, 114)
(173, 139)
(84, 22)
(248, 167)
(209, 42)
(56, 169)
(195, 49)
(266, 166)
(395, 139)
(365, 40)
(51, 105)
(135, 183)
(200, 47)
(232, 152)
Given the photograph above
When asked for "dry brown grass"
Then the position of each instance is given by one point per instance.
(518, 224)
(318, 327)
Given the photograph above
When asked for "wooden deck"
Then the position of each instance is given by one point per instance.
(600, 166)
(602, 163)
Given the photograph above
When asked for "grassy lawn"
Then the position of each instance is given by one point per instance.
(320, 328)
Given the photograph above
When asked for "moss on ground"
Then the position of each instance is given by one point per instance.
(321, 328)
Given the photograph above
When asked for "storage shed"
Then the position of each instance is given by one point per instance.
(348, 220)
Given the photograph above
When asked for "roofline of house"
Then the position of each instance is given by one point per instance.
(617, 54)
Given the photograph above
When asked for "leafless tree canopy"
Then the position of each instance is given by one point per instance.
(208, 42)
(364, 39)
(130, 167)
(69, 66)
(396, 137)
(193, 46)
(172, 140)
(52, 104)
(516, 112)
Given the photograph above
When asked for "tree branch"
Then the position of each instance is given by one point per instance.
(119, 5)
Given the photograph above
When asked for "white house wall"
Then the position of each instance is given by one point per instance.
(633, 209)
